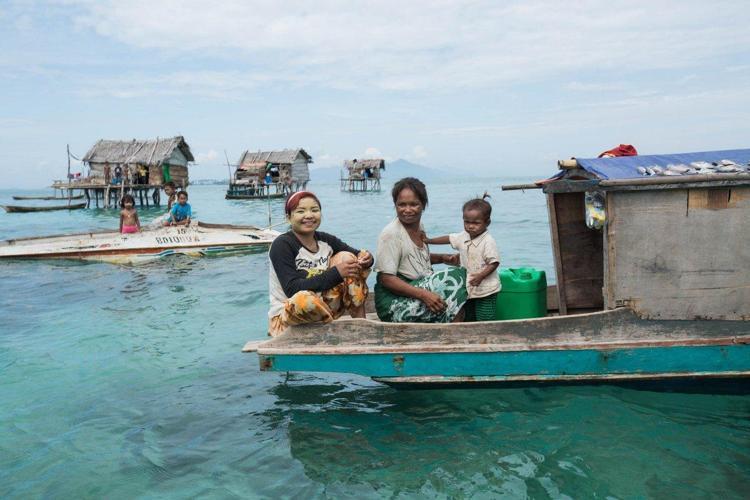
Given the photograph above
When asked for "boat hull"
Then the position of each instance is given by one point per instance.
(21, 209)
(605, 347)
(58, 198)
(197, 240)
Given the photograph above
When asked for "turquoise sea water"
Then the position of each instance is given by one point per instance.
(120, 382)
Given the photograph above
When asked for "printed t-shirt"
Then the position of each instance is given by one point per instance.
(475, 255)
(398, 255)
(181, 212)
(295, 267)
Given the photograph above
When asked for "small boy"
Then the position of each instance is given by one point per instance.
(181, 211)
(478, 254)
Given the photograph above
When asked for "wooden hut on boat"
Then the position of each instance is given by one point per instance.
(653, 283)
(138, 167)
(270, 174)
(362, 175)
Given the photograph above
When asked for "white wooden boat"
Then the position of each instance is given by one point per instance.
(198, 239)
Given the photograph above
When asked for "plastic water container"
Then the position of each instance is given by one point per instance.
(523, 293)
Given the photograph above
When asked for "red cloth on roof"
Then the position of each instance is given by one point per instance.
(621, 150)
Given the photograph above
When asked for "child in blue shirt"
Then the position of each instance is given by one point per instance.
(181, 212)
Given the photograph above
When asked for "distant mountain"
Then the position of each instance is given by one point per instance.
(393, 171)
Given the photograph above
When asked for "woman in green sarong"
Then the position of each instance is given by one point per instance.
(407, 289)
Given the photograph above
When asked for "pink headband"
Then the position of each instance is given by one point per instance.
(295, 198)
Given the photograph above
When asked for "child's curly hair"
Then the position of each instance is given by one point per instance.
(480, 204)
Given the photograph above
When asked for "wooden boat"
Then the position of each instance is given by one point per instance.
(660, 293)
(76, 197)
(198, 239)
(246, 195)
(18, 208)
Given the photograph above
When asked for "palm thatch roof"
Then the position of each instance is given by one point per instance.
(144, 152)
(286, 156)
(362, 164)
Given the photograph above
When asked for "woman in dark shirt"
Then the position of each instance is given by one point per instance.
(314, 276)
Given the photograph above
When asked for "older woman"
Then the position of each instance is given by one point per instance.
(407, 289)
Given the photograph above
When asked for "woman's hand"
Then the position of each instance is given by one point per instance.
(364, 259)
(350, 269)
(433, 301)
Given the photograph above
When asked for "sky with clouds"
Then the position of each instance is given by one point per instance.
(503, 88)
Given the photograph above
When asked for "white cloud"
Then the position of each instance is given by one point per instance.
(209, 156)
(372, 152)
(418, 153)
(420, 45)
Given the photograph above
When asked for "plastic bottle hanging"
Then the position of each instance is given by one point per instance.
(595, 214)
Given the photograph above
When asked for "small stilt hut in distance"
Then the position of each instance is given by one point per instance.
(136, 167)
(362, 175)
(274, 174)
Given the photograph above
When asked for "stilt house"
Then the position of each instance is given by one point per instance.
(362, 175)
(288, 171)
(143, 162)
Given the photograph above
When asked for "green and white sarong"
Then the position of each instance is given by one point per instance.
(449, 283)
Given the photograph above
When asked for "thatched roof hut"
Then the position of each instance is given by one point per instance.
(161, 160)
(289, 164)
(369, 168)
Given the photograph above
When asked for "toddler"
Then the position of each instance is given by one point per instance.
(479, 256)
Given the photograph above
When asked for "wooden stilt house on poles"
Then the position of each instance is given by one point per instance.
(269, 174)
(136, 167)
(362, 175)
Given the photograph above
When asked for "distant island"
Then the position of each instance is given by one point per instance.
(209, 182)
(393, 170)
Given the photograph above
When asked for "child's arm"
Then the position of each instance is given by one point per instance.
(476, 278)
(440, 240)
(137, 221)
(121, 217)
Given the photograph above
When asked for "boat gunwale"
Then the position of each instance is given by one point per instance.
(509, 347)
(621, 317)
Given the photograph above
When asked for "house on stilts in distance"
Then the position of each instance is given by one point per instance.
(362, 175)
(136, 167)
(269, 174)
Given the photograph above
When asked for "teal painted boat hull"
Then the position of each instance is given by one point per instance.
(604, 346)
(730, 360)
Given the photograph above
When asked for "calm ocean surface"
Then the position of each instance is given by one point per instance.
(119, 382)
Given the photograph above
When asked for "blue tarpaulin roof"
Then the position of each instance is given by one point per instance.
(626, 167)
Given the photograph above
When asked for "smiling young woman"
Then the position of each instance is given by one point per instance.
(314, 276)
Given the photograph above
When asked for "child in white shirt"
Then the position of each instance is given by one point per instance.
(479, 255)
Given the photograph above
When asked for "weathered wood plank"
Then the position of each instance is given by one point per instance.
(580, 254)
(554, 235)
(620, 325)
(681, 254)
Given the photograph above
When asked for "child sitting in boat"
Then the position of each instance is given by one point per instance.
(478, 254)
(181, 211)
(314, 276)
(129, 222)
(170, 189)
